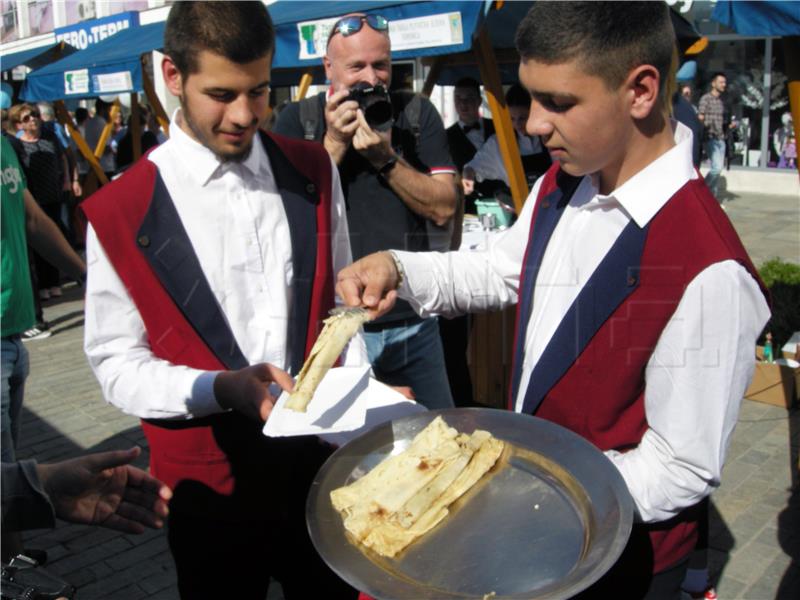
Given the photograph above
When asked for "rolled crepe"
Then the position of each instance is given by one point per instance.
(337, 332)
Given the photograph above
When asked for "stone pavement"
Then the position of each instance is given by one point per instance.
(755, 526)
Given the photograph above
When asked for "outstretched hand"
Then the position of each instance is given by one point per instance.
(370, 282)
(247, 390)
(104, 489)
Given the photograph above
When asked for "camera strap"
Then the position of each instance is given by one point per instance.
(309, 117)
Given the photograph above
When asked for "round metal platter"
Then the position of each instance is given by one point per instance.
(549, 520)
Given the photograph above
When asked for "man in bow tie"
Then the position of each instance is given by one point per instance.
(470, 131)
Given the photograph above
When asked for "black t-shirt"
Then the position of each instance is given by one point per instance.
(44, 168)
(376, 217)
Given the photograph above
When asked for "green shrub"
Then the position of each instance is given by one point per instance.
(783, 280)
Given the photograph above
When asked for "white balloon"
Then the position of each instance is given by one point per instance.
(109, 99)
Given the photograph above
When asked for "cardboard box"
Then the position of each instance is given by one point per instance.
(774, 383)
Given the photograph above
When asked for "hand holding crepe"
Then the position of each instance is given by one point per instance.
(339, 329)
(407, 495)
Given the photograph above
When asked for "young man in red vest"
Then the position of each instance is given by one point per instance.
(211, 268)
(638, 306)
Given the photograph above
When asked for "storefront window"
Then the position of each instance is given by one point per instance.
(40, 15)
(119, 6)
(742, 60)
(9, 10)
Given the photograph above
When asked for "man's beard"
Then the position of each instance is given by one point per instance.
(235, 157)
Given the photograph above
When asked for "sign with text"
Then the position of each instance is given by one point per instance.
(84, 34)
(443, 29)
(106, 83)
(76, 82)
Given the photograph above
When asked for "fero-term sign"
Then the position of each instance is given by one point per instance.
(84, 34)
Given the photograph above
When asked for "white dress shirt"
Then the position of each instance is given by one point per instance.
(701, 365)
(488, 162)
(236, 222)
(475, 134)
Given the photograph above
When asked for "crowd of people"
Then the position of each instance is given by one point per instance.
(213, 261)
(57, 173)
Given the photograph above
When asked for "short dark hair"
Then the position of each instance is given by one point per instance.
(239, 31)
(517, 95)
(718, 74)
(608, 39)
(470, 84)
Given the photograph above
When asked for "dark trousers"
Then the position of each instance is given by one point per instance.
(455, 339)
(632, 578)
(47, 276)
(228, 543)
(216, 559)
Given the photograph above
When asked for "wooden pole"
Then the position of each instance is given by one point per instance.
(433, 75)
(791, 54)
(62, 114)
(506, 138)
(305, 83)
(107, 130)
(152, 98)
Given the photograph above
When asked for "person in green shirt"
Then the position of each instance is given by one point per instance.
(22, 222)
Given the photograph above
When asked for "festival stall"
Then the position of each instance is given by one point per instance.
(116, 65)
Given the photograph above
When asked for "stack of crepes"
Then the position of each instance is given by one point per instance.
(407, 495)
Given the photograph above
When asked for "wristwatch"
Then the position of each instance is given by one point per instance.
(388, 166)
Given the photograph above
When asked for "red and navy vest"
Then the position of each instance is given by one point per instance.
(138, 227)
(590, 377)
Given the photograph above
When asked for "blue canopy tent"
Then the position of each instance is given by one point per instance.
(34, 58)
(418, 29)
(112, 66)
(109, 67)
(759, 18)
(769, 18)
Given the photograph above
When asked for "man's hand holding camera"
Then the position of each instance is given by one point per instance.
(361, 116)
(375, 146)
(341, 121)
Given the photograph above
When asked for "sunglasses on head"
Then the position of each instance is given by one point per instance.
(31, 115)
(349, 25)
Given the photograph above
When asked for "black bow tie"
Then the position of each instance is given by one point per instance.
(468, 128)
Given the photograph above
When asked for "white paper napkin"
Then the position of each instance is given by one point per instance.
(346, 403)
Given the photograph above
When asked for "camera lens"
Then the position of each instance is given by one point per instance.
(375, 103)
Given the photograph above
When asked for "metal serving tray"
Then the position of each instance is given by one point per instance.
(548, 521)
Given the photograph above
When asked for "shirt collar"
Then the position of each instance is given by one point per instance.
(479, 123)
(202, 163)
(643, 195)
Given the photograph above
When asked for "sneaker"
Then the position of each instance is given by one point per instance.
(35, 333)
(44, 294)
(56, 292)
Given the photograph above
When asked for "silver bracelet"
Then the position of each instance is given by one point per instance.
(401, 272)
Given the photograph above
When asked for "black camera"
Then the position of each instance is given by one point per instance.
(374, 102)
